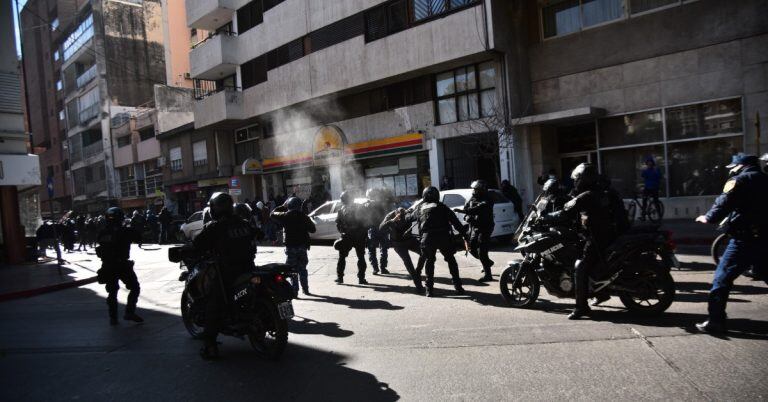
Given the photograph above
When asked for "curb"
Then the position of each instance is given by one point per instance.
(45, 289)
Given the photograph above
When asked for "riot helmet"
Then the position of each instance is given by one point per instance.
(243, 211)
(370, 193)
(346, 198)
(115, 216)
(551, 187)
(220, 205)
(430, 194)
(293, 204)
(479, 187)
(584, 177)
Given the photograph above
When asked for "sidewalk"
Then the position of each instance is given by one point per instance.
(18, 281)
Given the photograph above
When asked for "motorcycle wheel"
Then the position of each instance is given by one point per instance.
(525, 292)
(269, 335)
(186, 316)
(655, 282)
(718, 247)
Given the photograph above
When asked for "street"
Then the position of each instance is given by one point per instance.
(383, 342)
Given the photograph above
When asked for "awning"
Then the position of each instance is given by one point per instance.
(560, 116)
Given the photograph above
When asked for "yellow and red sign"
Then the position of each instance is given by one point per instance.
(403, 143)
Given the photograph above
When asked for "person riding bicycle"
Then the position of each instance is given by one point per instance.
(651, 183)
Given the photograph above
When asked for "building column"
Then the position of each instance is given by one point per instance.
(334, 171)
(13, 237)
(436, 161)
(506, 157)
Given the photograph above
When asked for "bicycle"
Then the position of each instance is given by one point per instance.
(653, 208)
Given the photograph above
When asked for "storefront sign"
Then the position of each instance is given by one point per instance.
(328, 145)
(183, 188)
(220, 181)
(404, 143)
(252, 166)
(287, 162)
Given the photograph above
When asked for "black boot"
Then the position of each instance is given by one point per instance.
(460, 290)
(430, 292)
(339, 279)
(132, 317)
(712, 327)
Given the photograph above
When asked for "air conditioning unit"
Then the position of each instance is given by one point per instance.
(187, 76)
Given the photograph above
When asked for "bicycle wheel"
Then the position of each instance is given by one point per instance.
(631, 211)
(655, 211)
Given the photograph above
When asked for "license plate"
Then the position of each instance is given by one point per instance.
(285, 310)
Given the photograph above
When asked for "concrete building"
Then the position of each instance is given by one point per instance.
(322, 96)
(19, 171)
(618, 82)
(107, 55)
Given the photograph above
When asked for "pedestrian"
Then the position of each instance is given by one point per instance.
(165, 219)
(151, 220)
(446, 183)
(114, 249)
(403, 241)
(743, 202)
(48, 236)
(651, 182)
(296, 229)
(375, 210)
(479, 214)
(435, 220)
(353, 231)
(137, 225)
(513, 195)
(81, 233)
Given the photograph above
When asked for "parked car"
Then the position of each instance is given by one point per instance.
(191, 227)
(324, 218)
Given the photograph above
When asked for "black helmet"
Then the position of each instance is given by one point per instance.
(243, 210)
(584, 177)
(115, 216)
(551, 187)
(430, 194)
(479, 187)
(221, 205)
(346, 198)
(293, 203)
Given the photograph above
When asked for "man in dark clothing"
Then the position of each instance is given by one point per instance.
(479, 214)
(137, 225)
(114, 249)
(296, 229)
(47, 236)
(744, 201)
(435, 220)
(513, 195)
(376, 208)
(353, 235)
(151, 222)
(165, 219)
(81, 233)
(402, 240)
(597, 212)
(230, 239)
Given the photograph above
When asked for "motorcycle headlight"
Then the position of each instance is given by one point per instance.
(256, 280)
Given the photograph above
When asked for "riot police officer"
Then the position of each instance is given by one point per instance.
(599, 213)
(375, 210)
(479, 215)
(354, 232)
(743, 201)
(296, 229)
(403, 241)
(114, 249)
(230, 239)
(435, 220)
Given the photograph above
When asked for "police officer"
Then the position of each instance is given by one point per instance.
(244, 211)
(354, 232)
(435, 220)
(402, 240)
(230, 239)
(376, 209)
(296, 229)
(479, 215)
(597, 211)
(743, 201)
(114, 249)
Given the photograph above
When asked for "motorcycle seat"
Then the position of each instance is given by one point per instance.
(273, 267)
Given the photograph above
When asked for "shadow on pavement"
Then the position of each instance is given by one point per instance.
(698, 292)
(696, 266)
(357, 304)
(308, 326)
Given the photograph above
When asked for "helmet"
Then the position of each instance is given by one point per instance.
(584, 177)
(551, 187)
(479, 187)
(207, 215)
(431, 194)
(260, 205)
(293, 203)
(243, 210)
(371, 193)
(346, 198)
(221, 205)
(115, 216)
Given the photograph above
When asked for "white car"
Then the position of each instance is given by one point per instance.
(192, 226)
(324, 218)
(504, 217)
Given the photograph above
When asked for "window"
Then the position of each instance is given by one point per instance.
(175, 158)
(641, 6)
(254, 72)
(56, 55)
(62, 115)
(569, 16)
(193, 37)
(324, 209)
(246, 150)
(123, 141)
(453, 200)
(247, 134)
(466, 93)
(55, 24)
(147, 133)
(268, 4)
(199, 154)
(249, 16)
(423, 9)
(636, 128)
(698, 167)
(78, 37)
(393, 16)
(59, 85)
(336, 32)
(625, 167)
(704, 120)
(498, 198)
(285, 54)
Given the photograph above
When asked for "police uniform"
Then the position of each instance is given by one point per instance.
(296, 229)
(353, 235)
(114, 250)
(403, 241)
(377, 238)
(479, 211)
(743, 202)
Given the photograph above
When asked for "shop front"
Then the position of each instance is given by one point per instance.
(185, 199)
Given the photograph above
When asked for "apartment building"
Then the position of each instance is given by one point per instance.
(100, 57)
(618, 82)
(322, 96)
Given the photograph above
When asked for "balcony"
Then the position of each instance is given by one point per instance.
(219, 107)
(86, 76)
(214, 58)
(78, 40)
(97, 148)
(88, 113)
(211, 14)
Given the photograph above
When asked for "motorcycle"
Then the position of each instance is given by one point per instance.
(636, 267)
(258, 305)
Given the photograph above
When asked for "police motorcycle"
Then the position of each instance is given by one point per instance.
(257, 306)
(636, 266)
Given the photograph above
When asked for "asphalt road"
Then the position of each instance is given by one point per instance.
(383, 342)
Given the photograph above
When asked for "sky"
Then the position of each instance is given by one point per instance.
(15, 16)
